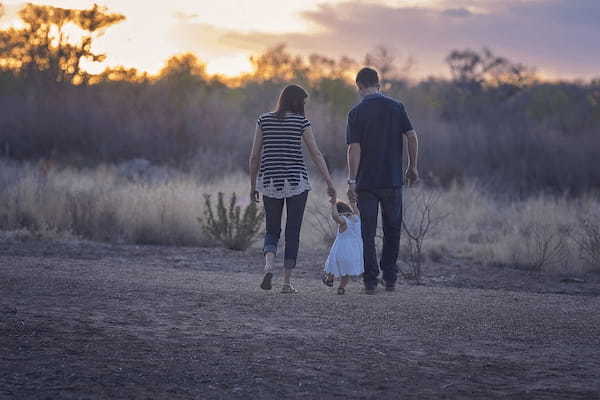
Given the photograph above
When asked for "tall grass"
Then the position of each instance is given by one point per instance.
(141, 204)
(107, 203)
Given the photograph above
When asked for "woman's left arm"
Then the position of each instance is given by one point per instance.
(317, 157)
(254, 162)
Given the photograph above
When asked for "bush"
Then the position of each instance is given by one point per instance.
(228, 226)
(543, 245)
(589, 241)
(423, 218)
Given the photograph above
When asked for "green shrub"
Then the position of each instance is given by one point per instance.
(228, 226)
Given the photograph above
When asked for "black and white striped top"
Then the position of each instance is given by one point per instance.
(282, 168)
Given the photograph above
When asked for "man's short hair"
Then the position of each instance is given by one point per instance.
(367, 77)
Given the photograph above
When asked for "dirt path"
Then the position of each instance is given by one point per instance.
(99, 321)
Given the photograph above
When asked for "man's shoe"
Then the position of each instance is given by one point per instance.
(389, 286)
(369, 289)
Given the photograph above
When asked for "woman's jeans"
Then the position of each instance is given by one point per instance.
(295, 212)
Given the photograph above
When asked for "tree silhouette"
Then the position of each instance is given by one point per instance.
(183, 70)
(386, 63)
(120, 74)
(42, 48)
(472, 69)
(276, 64)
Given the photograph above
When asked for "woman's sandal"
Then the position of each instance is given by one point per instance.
(288, 289)
(327, 280)
(341, 290)
(266, 283)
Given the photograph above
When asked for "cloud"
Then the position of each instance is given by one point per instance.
(9, 12)
(559, 37)
(185, 17)
(457, 12)
(204, 39)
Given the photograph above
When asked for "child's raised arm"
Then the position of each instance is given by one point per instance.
(336, 217)
(354, 206)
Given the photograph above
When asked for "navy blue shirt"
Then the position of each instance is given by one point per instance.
(378, 123)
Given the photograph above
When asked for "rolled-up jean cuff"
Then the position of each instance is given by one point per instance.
(270, 248)
(289, 263)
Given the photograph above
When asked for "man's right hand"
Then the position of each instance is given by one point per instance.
(412, 176)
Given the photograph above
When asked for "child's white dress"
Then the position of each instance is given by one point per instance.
(346, 254)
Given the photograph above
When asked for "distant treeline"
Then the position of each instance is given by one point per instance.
(493, 121)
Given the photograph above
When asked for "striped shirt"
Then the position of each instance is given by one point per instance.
(282, 168)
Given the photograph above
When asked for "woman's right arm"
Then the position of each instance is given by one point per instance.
(254, 162)
(317, 157)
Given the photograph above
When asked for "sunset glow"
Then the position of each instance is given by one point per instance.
(226, 33)
(149, 35)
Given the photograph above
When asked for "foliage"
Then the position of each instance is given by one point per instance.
(43, 49)
(473, 68)
(183, 71)
(277, 64)
(227, 225)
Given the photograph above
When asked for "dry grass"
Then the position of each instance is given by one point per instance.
(159, 206)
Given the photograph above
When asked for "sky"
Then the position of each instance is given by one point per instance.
(560, 38)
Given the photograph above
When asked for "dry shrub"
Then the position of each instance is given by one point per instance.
(228, 226)
(543, 246)
(588, 240)
(422, 217)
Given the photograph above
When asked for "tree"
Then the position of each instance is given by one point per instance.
(42, 48)
(120, 74)
(472, 69)
(386, 63)
(183, 70)
(276, 64)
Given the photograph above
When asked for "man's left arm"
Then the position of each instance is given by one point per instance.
(412, 172)
(353, 163)
(353, 139)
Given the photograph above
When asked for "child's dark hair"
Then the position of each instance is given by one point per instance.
(343, 207)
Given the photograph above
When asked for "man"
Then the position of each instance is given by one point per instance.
(375, 131)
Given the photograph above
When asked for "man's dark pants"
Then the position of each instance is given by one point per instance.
(391, 210)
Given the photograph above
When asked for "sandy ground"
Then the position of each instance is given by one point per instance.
(83, 320)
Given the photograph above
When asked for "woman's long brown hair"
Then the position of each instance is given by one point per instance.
(291, 99)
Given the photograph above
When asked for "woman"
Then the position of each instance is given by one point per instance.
(282, 177)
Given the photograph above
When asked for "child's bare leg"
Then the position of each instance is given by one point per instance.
(269, 258)
(344, 281)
